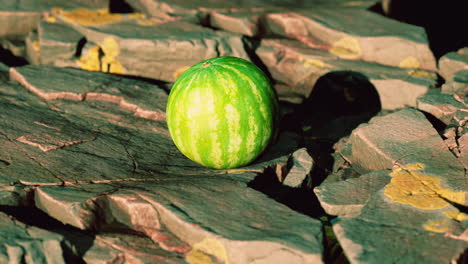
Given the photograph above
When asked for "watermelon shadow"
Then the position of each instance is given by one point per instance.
(339, 102)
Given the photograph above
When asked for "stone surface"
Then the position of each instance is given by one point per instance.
(27, 244)
(450, 109)
(135, 45)
(301, 164)
(340, 33)
(95, 154)
(346, 198)
(18, 18)
(89, 174)
(400, 139)
(196, 10)
(56, 44)
(458, 84)
(412, 189)
(453, 62)
(296, 68)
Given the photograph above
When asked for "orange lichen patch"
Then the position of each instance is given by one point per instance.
(102, 58)
(410, 62)
(411, 186)
(207, 251)
(347, 48)
(438, 226)
(87, 17)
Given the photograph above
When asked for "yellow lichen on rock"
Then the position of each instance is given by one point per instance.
(142, 19)
(36, 46)
(410, 62)
(438, 226)
(87, 17)
(102, 58)
(90, 60)
(206, 252)
(347, 48)
(409, 185)
(456, 215)
(422, 73)
(312, 63)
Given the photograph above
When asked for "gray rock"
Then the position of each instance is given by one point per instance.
(134, 45)
(296, 68)
(92, 151)
(450, 109)
(299, 174)
(28, 244)
(453, 62)
(19, 18)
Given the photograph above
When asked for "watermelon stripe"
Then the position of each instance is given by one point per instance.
(242, 75)
(258, 101)
(252, 129)
(175, 113)
(235, 125)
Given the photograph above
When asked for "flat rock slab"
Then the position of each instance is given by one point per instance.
(21, 243)
(453, 62)
(296, 68)
(338, 31)
(378, 145)
(18, 18)
(194, 9)
(92, 151)
(214, 216)
(412, 189)
(448, 108)
(130, 44)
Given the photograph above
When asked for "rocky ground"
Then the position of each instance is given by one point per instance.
(370, 165)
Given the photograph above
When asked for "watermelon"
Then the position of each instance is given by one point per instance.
(222, 112)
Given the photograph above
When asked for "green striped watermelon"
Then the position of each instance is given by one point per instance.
(222, 112)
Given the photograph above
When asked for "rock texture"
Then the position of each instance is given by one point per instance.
(411, 187)
(96, 154)
(369, 165)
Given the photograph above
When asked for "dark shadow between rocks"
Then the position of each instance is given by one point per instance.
(436, 123)
(251, 44)
(444, 21)
(77, 241)
(10, 59)
(301, 200)
(120, 6)
(339, 102)
(79, 47)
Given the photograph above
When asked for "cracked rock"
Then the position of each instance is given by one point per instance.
(453, 62)
(18, 18)
(411, 189)
(296, 68)
(133, 44)
(95, 154)
(448, 108)
(25, 244)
